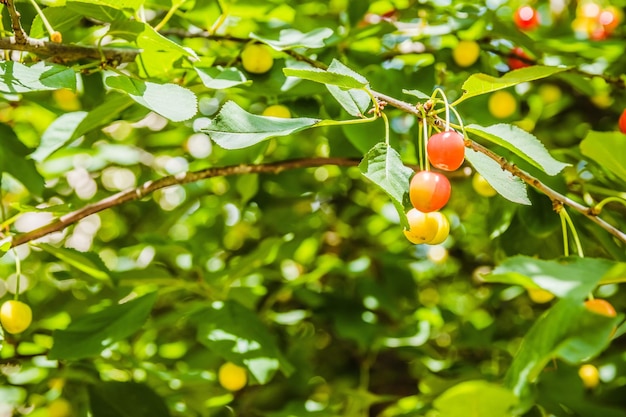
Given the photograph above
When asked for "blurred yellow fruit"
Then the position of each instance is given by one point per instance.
(466, 53)
(539, 295)
(482, 187)
(15, 316)
(502, 104)
(277, 110)
(257, 58)
(66, 99)
(549, 93)
(232, 377)
(59, 408)
(590, 375)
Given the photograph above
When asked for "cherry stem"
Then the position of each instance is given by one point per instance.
(598, 207)
(18, 274)
(445, 102)
(565, 215)
(420, 143)
(425, 136)
(44, 20)
(386, 120)
(564, 228)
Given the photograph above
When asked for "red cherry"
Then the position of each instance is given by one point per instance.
(515, 63)
(429, 191)
(526, 18)
(446, 150)
(622, 122)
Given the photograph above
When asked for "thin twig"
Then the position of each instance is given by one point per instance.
(20, 36)
(65, 53)
(184, 178)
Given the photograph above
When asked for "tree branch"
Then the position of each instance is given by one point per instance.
(65, 53)
(184, 178)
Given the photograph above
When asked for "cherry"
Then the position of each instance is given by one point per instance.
(466, 53)
(15, 316)
(431, 228)
(446, 150)
(526, 18)
(515, 63)
(600, 306)
(622, 122)
(589, 375)
(429, 191)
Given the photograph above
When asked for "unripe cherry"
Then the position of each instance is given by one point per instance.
(446, 150)
(431, 228)
(429, 191)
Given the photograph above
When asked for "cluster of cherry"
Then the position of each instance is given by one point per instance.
(429, 191)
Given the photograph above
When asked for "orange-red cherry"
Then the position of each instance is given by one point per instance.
(526, 18)
(515, 63)
(429, 191)
(446, 150)
(622, 122)
(600, 306)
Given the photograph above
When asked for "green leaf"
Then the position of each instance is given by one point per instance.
(235, 128)
(505, 183)
(292, 38)
(19, 78)
(58, 133)
(521, 143)
(608, 149)
(87, 262)
(159, 53)
(339, 76)
(94, 10)
(478, 84)
(71, 126)
(89, 334)
(125, 399)
(476, 399)
(572, 277)
(116, 4)
(568, 331)
(383, 166)
(238, 335)
(13, 161)
(218, 78)
(417, 93)
(169, 100)
(355, 101)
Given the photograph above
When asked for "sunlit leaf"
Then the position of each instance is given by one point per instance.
(293, 38)
(220, 78)
(169, 100)
(478, 84)
(89, 263)
(235, 128)
(19, 78)
(383, 166)
(505, 183)
(476, 399)
(572, 277)
(354, 101)
(608, 149)
(520, 142)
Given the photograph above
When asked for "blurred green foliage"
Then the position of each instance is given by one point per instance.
(304, 276)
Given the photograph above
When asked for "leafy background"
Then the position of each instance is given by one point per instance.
(303, 276)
